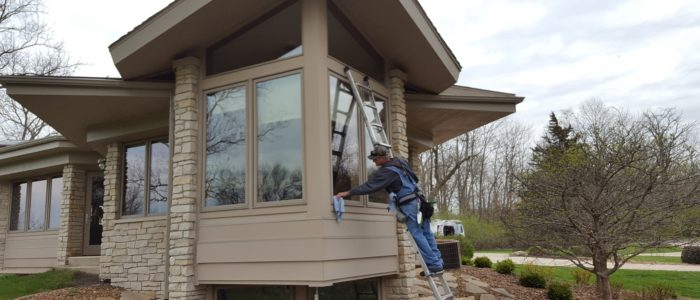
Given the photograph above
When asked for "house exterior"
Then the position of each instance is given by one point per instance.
(206, 172)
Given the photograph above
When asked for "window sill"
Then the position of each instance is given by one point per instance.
(32, 233)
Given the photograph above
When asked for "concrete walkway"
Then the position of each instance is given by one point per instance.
(495, 257)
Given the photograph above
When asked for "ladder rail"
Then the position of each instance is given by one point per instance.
(377, 134)
(431, 280)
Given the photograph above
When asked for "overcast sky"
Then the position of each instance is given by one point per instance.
(634, 54)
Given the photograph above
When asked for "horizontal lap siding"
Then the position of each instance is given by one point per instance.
(31, 250)
(294, 251)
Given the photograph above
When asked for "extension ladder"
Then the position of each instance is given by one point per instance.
(370, 114)
(446, 292)
(373, 123)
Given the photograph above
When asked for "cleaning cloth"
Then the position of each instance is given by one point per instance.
(338, 208)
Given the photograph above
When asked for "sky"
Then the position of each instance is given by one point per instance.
(632, 54)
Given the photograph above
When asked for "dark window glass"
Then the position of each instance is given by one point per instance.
(18, 206)
(279, 134)
(277, 35)
(344, 137)
(226, 147)
(56, 197)
(96, 213)
(134, 180)
(347, 45)
(355, 290)
(159, 173)
(37, 209)
(256, 292)
(381, 196)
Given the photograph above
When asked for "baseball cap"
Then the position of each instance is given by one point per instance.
(378, 151)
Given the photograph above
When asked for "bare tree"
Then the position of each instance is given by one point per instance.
(613, 184)
(27, 48)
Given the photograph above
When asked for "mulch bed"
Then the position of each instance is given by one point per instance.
(510, 283)
(83, 287)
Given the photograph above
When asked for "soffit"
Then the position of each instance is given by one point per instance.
(72, 105)
(434, 119)
(399, 30)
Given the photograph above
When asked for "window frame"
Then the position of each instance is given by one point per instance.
(249, 78)
(47, 203)
(147, 177)
(334, 71)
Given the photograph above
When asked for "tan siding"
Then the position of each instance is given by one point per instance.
(31, 250)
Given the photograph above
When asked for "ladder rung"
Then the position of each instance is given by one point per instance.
(371, 106)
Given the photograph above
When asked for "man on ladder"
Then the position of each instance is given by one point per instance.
(396, 177)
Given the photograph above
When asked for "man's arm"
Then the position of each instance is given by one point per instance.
(378, 181)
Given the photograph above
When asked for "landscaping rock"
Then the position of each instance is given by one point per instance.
(503, 292)
(487, 297)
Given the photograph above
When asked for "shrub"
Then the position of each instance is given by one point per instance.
(466, 261)
(559, 291)
(534, 276)
(691, 255)
(466, 248)
(616, 289)
(581, 277)
(505, 266)
(482, 262)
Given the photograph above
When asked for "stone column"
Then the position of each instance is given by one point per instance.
(183, 210)
(110, 209)
(401, 287)
(70, 231)
(5, 194)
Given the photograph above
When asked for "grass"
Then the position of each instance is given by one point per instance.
(654, 250)
(685, 283)
(13, 286)
(502, 251)
(658, 259)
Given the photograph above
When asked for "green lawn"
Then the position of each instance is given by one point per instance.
(13, 286)
(685, 283)
(655, 250)
(657, 259)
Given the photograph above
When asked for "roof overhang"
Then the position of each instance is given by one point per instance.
(434, 119)
(42, 157)
(73, 105)
(185, 27)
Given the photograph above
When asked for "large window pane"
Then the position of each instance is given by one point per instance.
(279, 134)
(56, 196)
(226, 147)
(277, 35)
(344, 137)
(37, 209)
(158, 190)
(381, 196)
(134, 180)
(18, 206)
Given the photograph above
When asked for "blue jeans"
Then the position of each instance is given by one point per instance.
(422, 235)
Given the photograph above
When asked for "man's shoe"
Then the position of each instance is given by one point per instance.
(435, 270)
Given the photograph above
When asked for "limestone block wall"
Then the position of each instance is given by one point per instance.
(133, 250)
(183, 208)
(70, 233)
(401, 286)
(4, 218)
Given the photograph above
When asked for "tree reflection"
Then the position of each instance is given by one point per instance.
(277, 182)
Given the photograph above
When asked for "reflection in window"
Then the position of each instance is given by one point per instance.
(381, 196)
(256, 292)
(276, 35)
(349, 46)
(139, 172)
(344, 137)
(362, 290)
(18, 206)
(134, 180)
(37, 209)
(226, 147)
(279, 133)
(56, 196)
(159, 173)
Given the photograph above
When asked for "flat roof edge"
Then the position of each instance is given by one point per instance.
(85, 82)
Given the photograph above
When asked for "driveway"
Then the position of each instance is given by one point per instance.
(495, 257)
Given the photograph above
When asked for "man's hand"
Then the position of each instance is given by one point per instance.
(343, 194)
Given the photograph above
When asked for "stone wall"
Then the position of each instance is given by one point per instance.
(183, 209)
(70, 233)
(4, 218)
(401, 286)
(132, 251)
